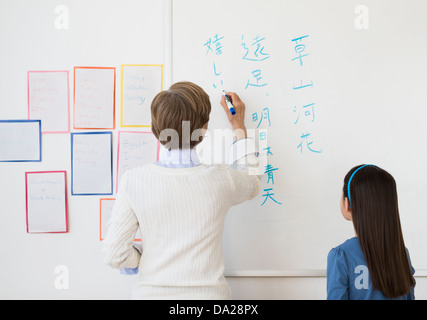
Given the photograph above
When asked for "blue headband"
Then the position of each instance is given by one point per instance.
(349, 181)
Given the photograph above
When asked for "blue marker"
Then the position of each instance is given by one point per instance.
(229, 104)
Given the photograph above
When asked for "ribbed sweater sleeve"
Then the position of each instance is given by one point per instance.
(246, 183)
(118, 248)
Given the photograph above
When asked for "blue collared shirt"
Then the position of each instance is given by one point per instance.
(178, 158)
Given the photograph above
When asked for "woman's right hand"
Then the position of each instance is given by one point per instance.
(237, 120)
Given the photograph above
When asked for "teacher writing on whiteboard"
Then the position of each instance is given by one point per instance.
(178, 204)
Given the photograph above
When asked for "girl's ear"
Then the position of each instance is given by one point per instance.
(347, 209)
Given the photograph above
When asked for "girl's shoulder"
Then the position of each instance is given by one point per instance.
(348, 254)
(349, 247)
(348, 244)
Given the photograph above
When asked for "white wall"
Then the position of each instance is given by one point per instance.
(102, 33)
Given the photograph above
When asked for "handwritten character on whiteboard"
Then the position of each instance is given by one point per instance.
(255, 117)
(215, 71)
(297, 111)
(255, 50)
(299, 49)
(265, 114)
(306, 143)
(215, 43)
(268, 153)
(302, 85)
(269, 195)
(308, 111)
(269, 170)
(217, 74)
(257, 75)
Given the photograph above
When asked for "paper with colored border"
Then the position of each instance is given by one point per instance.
(20, 140)
(49, 100)
(46, 201)
(94, 97)
(91, 163)
(140, 83)
(135, 149)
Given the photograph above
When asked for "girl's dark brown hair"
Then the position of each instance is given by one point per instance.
(375, 215)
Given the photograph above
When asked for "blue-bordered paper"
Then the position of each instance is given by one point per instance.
(91, 163)
(20, 141)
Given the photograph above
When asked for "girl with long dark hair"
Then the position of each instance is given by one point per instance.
(374, 264)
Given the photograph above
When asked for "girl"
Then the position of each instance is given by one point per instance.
(375, 263)
(179, 204)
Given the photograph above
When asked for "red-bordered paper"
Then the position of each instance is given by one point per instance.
(46, 202)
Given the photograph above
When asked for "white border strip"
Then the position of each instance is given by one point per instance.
(303, 273)
(168, 63)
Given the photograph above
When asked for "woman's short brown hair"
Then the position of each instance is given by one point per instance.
(179, 114)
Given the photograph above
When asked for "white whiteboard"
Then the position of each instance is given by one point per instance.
(367, 95)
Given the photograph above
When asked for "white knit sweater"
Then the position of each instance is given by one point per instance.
(180, 213)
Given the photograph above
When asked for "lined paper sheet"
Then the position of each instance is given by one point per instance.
(49, 101)
(94, 98)
(139, 84)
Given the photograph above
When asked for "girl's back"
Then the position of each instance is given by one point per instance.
(347, 268)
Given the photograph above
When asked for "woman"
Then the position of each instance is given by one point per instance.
(179, 204)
